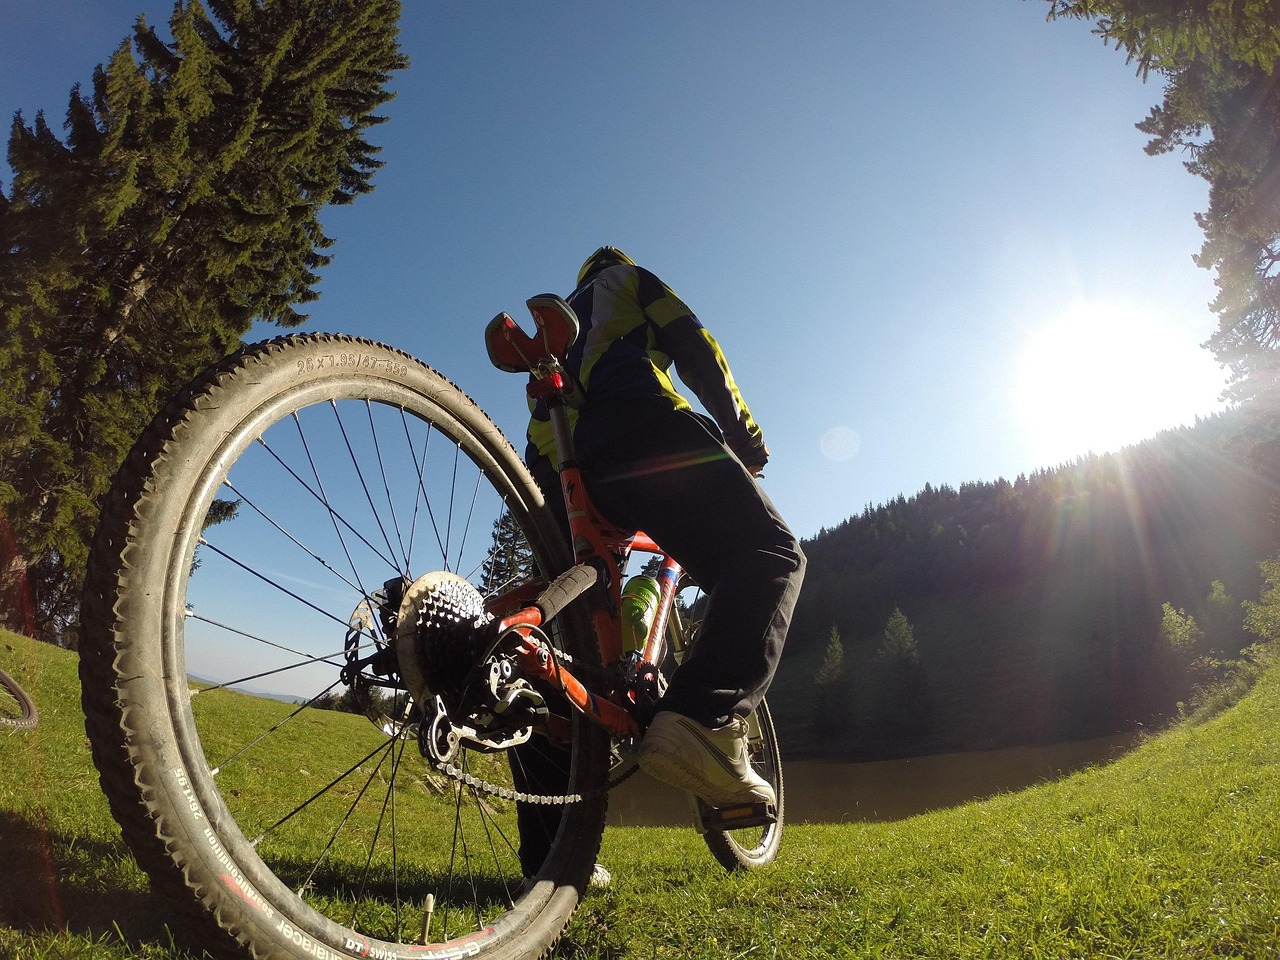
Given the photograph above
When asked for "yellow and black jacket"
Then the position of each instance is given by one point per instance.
(633, 328)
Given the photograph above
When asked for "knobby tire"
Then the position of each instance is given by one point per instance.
(21, 713)
(197, 628)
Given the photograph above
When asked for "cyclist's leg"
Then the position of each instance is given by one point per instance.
(676, 481)
(538, 767)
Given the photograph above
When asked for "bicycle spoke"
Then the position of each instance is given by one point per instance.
(355, 462)
(324, 497)
(307, 657)
(217, 769)
(278, 586)
(492, 826)
(388, 803)
(395, 846)
(305, 549)
(419, 488)
(460, 838)
(426, 500)
(320, 793)
(319, 497)
(466, 527)
(453, 488)
(386, 486)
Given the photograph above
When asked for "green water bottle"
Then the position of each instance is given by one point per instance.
(640, 596)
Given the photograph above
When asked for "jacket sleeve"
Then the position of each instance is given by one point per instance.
(702, 367)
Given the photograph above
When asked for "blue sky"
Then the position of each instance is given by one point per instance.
(924, 232)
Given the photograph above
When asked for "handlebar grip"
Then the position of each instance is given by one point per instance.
(566, 588)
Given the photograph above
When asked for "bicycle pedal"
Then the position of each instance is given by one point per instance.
(735, 818)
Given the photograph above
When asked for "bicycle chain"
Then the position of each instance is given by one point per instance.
(506, 793)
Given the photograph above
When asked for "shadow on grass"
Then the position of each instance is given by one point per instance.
(85, 887)
(93, 888)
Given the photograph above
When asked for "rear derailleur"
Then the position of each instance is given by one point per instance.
(500, 711)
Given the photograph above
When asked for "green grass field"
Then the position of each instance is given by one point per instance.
(1172, 851)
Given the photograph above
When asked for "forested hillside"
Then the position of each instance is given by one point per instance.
(1032, 608)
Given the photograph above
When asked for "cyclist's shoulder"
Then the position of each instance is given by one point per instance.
(624, 296)
(620, 276)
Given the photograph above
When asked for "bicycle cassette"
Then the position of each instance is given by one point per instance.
(441, 638)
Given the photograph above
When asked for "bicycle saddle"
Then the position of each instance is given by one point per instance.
(514, 351)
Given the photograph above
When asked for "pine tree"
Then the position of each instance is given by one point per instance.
(899, 645)
(832, 668)
(830, 709)
(510, 560)
(1221, 66)
(900, 703)
(182, 205)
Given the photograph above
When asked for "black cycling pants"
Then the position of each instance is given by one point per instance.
(675, 479)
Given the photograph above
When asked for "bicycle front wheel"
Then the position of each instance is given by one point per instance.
(753, 847)
(247, 569)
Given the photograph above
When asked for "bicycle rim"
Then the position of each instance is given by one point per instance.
(266, 518)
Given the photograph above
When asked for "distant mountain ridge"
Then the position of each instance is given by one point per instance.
(1035, 604)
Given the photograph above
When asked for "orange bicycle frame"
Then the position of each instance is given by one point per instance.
(597, 544)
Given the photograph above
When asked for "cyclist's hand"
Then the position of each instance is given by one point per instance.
(755, 458)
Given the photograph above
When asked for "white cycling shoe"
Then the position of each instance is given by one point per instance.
(712, 764)
(601, 878)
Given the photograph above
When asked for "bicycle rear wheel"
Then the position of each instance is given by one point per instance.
(247, 568)
(753, 847)
(17, 710)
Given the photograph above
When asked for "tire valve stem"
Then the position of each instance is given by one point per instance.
(428, 908)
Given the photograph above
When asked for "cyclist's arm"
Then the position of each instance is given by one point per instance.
(702, 367)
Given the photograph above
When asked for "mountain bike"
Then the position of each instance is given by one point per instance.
(17, 709)
(323, 520)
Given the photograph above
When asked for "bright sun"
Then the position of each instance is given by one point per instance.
(1097, 378)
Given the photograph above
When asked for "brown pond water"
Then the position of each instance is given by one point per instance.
(820, 792)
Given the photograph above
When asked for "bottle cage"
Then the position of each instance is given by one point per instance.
(514, 351)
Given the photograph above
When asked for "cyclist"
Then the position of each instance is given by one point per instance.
(651, 463)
